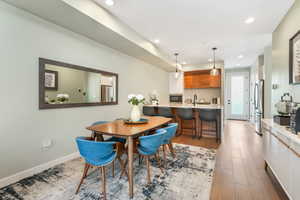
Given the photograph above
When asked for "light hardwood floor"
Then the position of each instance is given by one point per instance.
(239, 173)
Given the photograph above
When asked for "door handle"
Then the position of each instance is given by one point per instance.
(228, 101)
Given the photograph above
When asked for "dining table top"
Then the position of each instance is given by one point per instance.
(121, 129)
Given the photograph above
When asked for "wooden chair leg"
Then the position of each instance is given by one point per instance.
(164, 155)
(158, 162)
(85, 171)
(201, 128)
(103, 182)
(148, 170)
(113, 169)
(124, 169)
(122, 166)
(172, 149)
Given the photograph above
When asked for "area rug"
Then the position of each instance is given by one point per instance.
(188, 176)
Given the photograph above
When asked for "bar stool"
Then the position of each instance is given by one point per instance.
(187, 114)
(149, 111)
(210, 115)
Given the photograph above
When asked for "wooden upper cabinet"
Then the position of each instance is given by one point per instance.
(201, 79)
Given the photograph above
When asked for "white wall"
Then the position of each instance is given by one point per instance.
(24, 38)
(280, 55)
(268, 81)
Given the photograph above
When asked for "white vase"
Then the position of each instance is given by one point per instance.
(135, 114)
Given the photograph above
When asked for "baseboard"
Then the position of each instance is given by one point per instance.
(35, 170)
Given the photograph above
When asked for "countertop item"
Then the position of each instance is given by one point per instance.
(174, 105)
(284, 134)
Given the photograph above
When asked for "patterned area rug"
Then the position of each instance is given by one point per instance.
(188, 176)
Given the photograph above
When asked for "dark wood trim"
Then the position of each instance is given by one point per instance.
(291, 59)
(42, 105)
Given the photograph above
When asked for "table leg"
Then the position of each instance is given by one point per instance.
(130, 166)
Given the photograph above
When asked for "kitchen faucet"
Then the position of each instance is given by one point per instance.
(195, 98)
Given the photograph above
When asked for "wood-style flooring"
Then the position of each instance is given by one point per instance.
(239, 173)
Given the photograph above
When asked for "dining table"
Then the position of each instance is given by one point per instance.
(119, 128)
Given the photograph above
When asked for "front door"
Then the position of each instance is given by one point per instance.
(237, 95)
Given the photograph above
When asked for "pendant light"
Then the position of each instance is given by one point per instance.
(214, 71)
(177, 72)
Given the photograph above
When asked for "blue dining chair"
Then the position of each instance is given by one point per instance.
(97, 154)
(149, 145)
(121, 147)
(167, 140)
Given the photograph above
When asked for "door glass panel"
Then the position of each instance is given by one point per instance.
(237, 95)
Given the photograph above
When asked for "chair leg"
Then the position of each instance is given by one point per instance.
(194, 128)
(122, 166)
(85, 171)
(158, 161)
(148, 170)
(201, 128)
(103, 182)
(124, 169)
(172, 149)
(164, 154)
(113, 169)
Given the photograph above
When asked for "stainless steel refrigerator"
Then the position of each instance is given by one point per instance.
(258, 105)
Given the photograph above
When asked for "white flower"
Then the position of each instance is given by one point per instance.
(140, 97)
(131, 96)
(66, 96)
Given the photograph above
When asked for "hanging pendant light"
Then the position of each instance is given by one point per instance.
(177, 71)
(214, 71)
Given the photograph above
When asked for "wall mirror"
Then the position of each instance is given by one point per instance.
(63, 85)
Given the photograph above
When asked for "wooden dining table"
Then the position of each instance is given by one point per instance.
(119, 128)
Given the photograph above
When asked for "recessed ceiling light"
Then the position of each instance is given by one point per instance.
(210, 60)
(184, 63)
(156, 41)
(109, 2)
(240, 56)
(249, 20)
(238, 65)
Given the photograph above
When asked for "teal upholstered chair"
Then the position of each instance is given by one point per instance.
(97, 154)
(149, 145)
(167, 140)
(120, 143)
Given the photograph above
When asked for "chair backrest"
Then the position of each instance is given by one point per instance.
(208, 114)
(171, 131)
(148, 111)
(185, 113)
(151, 143)
(165, 112)
(94, 152)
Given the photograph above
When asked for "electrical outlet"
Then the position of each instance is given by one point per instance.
(47, 144)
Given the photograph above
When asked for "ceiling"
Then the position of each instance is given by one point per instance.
(193, 27)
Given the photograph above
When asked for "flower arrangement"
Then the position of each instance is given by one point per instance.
(136, 99)
(62, 98)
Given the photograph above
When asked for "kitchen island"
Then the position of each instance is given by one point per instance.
(185, 125)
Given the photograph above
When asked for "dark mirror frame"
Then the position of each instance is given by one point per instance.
(43, 105)
(291, 60)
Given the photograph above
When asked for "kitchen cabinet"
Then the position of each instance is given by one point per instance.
(201, 79)
(282, 157)
(175, 84)
(295, 177)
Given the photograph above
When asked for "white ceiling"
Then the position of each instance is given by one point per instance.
(193, 27)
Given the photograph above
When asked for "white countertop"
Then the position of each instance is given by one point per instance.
(290, 139)
(176, 105)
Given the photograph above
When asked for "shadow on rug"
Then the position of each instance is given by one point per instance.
(188, 176)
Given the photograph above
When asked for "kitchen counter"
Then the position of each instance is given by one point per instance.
(198, 106)
(282, 156)
(283, 133)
